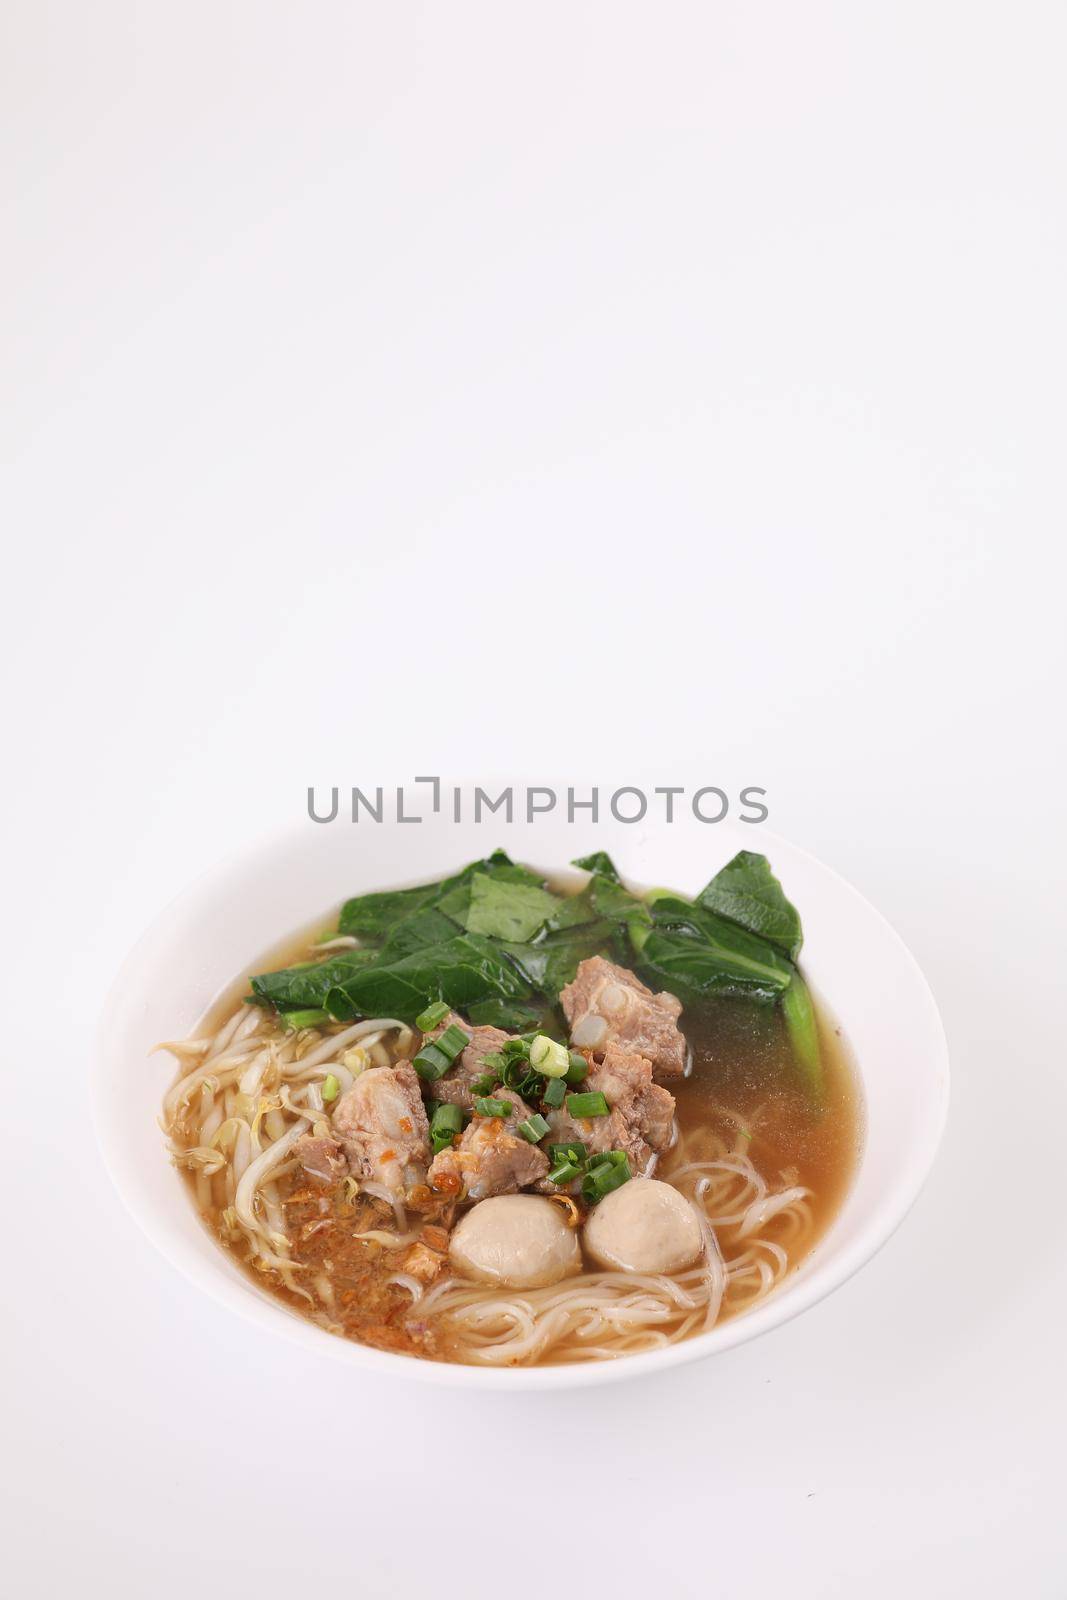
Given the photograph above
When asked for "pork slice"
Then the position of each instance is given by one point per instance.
(382, 1124)
(469, 1065)
(606, 1003)
(598, 1134)
(490, 1156)
(625, 1079)
(640, 1118)
(321, 1158)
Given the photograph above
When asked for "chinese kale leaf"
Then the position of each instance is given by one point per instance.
(494, 942)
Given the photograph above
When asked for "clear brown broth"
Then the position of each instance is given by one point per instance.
(741, 1069)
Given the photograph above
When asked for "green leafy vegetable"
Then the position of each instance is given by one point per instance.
(500, 907)
(550, 964)
(426, 926)
(603, 898)
(306, 986)
(495, 944)
(304, 1019)
(803, 1031)
(600, 863)
(459, 971)
(511, 1015)
(746, 891)
(692, 951)
(371, 916)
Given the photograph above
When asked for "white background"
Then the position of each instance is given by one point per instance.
(663, 392)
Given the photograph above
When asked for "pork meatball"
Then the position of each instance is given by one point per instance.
(517, 1241)
(646, 1226)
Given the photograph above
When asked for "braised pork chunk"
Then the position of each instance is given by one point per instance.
(606, 1003)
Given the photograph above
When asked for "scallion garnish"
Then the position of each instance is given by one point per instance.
(573, 1153)
(587, 1105)
(548, 1057)
(445, 1123)
(577, 1067)
(485, 1084)
(432, 1015)
(435, 1059)
(565, 1172)
(431, 1063)
(605, 1173)
(447, 1116)
(453, 1041)
(555, 1092)
(486, 1106)
(519, 1075)
(330, 1088)
(534, 1128)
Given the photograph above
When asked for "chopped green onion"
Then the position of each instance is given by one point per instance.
(548, 1057)
(445, 1123)
(555, 1092)
(605, 1173)
(435, 1059)
(305, 1019)
(432, 1015)
(518, 1075)
(534, 1128)
(517, 1049)
(330, 1088)
(452, 1042)
(573, 1153)
(494, 1059)
(485, 1106)
(431, 1063)
(485, 1084)
(565, 1172)
(447, 1116)
(587, 1105)
(578, 1067)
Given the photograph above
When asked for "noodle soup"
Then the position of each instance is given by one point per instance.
(587, 1123)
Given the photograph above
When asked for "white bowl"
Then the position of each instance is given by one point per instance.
(233, 914)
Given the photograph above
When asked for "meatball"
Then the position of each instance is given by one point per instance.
(516, 1241)
(646, 1226)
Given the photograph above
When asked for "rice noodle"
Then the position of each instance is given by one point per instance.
(603, 1315)
(247, 1094)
